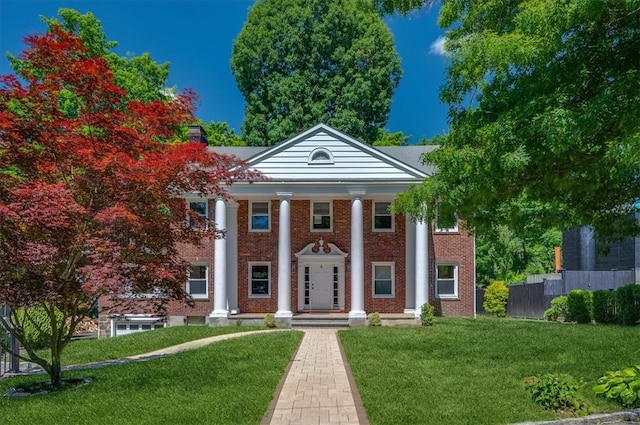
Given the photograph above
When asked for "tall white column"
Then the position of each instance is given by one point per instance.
(357, 314)
(232, 257)
(422, 265)
(220, 263)
(284, 260)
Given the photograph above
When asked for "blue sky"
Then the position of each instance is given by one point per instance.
(196, 37)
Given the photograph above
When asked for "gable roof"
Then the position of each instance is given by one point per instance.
(351, 160)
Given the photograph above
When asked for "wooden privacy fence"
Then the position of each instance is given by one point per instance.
(530, 300)
(526, 300)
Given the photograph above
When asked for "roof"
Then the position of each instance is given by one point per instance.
(410, 156)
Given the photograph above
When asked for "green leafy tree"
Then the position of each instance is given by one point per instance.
(389, 7)
(219, 134)
(142, 78)
(505, 255)
(301, 62)
(544, 99)
(386, 138)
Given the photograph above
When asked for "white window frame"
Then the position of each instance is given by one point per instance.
(206, 209)
(373, 218)
(330, 229)
(455, 281)
(251, 229)
(313, 161)
(445, 229)
(206, 283)
(250, 279)
(393, 279)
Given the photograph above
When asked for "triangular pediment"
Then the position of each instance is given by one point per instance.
(325, 154)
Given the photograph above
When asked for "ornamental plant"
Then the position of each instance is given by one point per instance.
(558, 309)
(628, 304)
(270, 321)
(92, 189)
(604, 306)
(495, 298)
(555, 392)
(580, 305)
(427, 313)
(375, 319)
(622, 386)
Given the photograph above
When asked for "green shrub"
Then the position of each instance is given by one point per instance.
(628, 304)
(270, 320)
(427, 312)
(375, 319)
(560, 304)
(555, 392)
(622, 386)
(495, 298)
(551, 314)
(604, 306)
(580, 305)
(36, 326)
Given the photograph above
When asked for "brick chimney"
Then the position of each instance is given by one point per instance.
(197, 134)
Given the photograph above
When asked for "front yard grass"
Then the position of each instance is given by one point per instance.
(228, 382)
(471, 371)
(95, 350)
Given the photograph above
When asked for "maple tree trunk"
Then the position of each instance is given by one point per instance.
(56, 371)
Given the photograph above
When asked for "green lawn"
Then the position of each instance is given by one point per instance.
(229, 382)
(87, 351)
(466, 371)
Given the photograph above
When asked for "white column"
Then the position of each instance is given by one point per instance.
(284, 258)
(410, 266)
(422, 265)
(232, 257)
(357, 258)
(220, 263)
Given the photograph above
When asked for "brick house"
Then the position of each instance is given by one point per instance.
(318, 236)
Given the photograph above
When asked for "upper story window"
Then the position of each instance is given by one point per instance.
(200, 209)
(446, 219)
(197, 284)
(320, 156)
(321, 220)
(259, 220)
(382, 217)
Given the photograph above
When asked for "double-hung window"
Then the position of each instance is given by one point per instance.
(198, 281)
(383, 280)
(382, 217)
(198, 213)
(259, 280)
(446, 281)
(259, 221)
(321, 216)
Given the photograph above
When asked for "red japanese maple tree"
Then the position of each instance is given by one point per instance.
(92, 190)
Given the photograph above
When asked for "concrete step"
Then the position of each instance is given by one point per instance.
(327, 322)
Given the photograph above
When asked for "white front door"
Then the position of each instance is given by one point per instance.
(321, 287)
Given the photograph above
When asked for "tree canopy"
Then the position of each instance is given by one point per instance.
(142, 78)
(301, 62)
(544, 123)
(92, 189)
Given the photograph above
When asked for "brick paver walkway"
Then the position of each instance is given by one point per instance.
(317, 389)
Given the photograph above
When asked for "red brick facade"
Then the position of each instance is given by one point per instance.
(390, 247)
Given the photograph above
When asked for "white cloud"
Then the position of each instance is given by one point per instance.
(437, 47)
